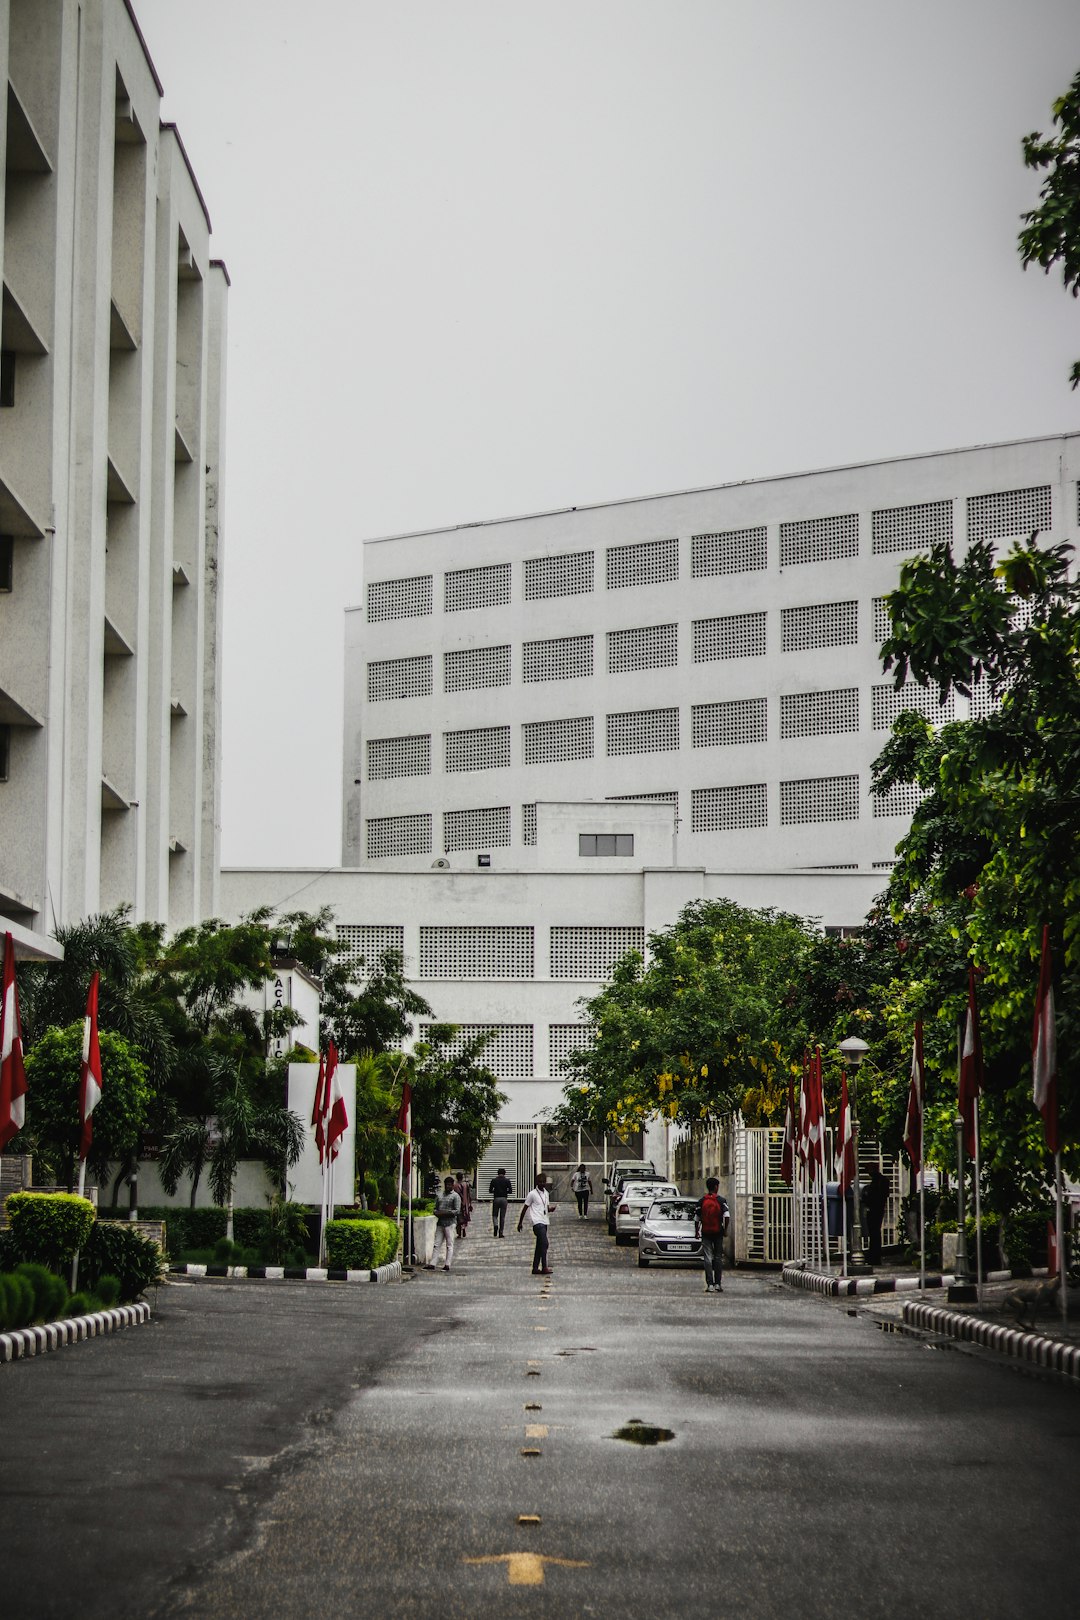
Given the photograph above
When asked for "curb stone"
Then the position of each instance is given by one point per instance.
(36, 1341)
(827, 1282)
(375, 1274)
(1053, 1354)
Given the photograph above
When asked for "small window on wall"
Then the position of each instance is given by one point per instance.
(5, 751)
(7, 562)
(605, 843)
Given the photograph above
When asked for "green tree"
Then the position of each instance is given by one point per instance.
(455, 1097)
(1051, 232)
(993, 851)
(373, 1015)
(52, 1078)
(718, 1019)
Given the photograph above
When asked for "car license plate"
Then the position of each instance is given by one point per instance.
(680, 1248)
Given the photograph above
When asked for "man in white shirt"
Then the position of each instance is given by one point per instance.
(538, 1207)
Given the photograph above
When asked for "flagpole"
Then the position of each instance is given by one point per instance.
(922, 1226)
(1059, 1224)
(75, 1256)
(978, 1212)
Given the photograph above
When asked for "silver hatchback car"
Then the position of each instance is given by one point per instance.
(667, 1232)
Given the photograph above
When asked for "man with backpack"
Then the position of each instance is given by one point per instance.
(711, 1226)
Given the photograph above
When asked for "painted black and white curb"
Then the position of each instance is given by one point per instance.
(1035, 1348)
(827, 1282)
(36, 1341)
(375, 1274)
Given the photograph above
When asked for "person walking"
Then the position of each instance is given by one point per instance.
(500, 1187)
(581, 1186)
(447, 1210)
(461, 1187)
(537, 1207)
(876, 1199)
(711, 1224)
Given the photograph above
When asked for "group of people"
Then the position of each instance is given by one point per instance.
(453, 1211)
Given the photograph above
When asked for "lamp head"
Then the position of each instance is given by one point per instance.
(853, 1050)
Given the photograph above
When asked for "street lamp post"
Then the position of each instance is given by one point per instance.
(853, 1050)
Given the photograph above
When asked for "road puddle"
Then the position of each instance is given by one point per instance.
(643, 1434)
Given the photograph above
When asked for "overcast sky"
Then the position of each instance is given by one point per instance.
(490, 257)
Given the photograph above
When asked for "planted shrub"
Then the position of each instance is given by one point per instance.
(49, 1227)
(50, 1291)
(107, 1290)
(83, 1304)
(16, 1301)
(114, 1250)
(360, 1244)
(187, 1228)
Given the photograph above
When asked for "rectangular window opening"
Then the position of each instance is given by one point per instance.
(605, 843)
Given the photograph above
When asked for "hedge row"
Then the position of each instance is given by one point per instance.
(45, 1231)
(354, 1245)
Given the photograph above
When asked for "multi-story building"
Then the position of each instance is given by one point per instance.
(111, 445)
(715, 651)
(561, 729)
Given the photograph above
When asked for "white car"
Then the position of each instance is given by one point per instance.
(634, 1200)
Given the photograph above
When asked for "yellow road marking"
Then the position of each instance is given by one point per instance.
(536, 1431)
(528, 1518)
(531, 1451)
(527, 1569)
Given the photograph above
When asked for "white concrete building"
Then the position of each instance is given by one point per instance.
(562, 729)
(715, 651)
(111, 449)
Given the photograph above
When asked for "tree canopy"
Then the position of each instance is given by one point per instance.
(993, 852)
(1051, 232)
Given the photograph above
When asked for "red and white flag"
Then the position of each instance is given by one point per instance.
(318, 1112)
(404, 1125)
(913, 1124)
(815, 1116)
(1044, 1049)
(845, 1147)
(90, 1072)
(971, 1068)
(12, 1072)
(804, 1108)
(787, 1156)
(337, 1119)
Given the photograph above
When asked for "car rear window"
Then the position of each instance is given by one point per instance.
(645, 1190)
(673, 1212)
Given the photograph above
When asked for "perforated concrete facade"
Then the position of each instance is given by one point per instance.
(718, 649)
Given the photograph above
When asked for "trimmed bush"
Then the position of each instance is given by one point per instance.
(107, 1290)
(114, 1250)
(49, 1227)
(50, 1291)
(83, 1304)
(361, 1244)
(16, 1301)
(187, 1228)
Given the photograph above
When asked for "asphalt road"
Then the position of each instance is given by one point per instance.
(298, 1450)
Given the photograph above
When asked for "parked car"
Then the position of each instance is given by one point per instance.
(636, 1197)
(615, 1191)
(620, 1169)
(668, 1232)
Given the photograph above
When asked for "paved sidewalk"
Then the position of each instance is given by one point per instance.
(571, 1242)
